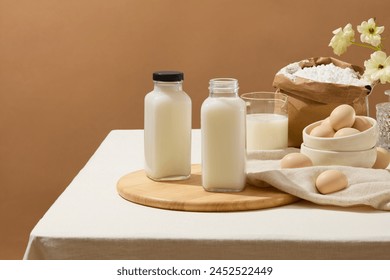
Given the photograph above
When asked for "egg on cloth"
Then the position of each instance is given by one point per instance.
(295, 160)
(331, 181)
(382, 158)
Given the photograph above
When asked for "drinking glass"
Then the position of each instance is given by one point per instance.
(383, 119)
(266, 120)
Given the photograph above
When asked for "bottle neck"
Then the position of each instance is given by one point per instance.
(171, 86)
(223, 87)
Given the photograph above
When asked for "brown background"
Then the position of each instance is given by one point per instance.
(71, 71)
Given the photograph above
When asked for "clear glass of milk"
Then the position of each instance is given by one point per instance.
(266, 120)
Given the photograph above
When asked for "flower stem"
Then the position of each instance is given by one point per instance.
(367, 46)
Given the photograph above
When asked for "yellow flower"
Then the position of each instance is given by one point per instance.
(342, 39)
(378, 67)
(370, 33)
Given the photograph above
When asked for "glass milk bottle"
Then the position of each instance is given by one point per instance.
(167, 126)
(223, 138)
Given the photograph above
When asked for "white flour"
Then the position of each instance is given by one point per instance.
(325, 73)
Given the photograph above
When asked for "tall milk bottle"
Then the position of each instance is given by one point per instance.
(167, 128)
(223, 116)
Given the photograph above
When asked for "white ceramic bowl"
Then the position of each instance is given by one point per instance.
(364, 158)
(362, 141)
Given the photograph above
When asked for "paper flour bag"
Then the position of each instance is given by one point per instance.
(315, 86)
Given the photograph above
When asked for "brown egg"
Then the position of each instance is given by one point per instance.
(342, 116)
(361, 123)
(346, 131)
(323, 130)
(295, 160)
(331, 181)
(326, 122)
(382, 158)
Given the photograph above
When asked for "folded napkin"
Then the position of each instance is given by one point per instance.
(366, 186)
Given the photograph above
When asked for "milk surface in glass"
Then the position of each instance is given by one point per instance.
(266, 120)
(223, 141)
(266, 131)
(167, 126)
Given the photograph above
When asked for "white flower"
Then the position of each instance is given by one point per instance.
(342, 39)
(378, 67)
(370, 33)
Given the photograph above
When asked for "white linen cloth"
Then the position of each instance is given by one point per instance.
(91, 221)
(366, 186)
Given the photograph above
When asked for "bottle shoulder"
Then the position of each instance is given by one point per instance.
(167, 96)
(157, 98)
(224, 101)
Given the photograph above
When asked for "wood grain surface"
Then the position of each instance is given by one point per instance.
(189, 195)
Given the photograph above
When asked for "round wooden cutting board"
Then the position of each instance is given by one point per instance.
(189, 195)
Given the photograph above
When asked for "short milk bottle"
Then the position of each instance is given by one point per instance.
(167, 128)
(223, 116)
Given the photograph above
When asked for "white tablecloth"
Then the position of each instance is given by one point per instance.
(91, 221)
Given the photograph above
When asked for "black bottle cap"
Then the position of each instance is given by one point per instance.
(168, 76)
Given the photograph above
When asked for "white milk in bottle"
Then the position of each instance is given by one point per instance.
(167, 126)
(223, 138)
